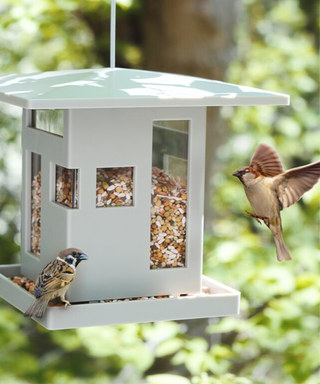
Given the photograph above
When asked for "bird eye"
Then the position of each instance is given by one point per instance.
(74, 253)
(247, 170)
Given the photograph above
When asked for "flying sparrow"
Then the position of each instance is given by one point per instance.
(270, 189)
(54, 280)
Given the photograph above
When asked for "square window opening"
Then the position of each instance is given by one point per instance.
(49, 120)
(66, 191)
(114, 187)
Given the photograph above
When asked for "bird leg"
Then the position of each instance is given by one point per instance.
(254, 216)
(258, 218)
(266, 221)
(66, 302)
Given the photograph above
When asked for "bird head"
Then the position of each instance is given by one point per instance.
(72, 256)
(246, 175)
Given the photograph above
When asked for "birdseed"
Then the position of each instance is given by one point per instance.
(24, 282)
(64, 183)
(114, 187)
(36, 214)
(168, 221)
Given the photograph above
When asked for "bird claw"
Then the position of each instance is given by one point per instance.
(66, 302)
(266, 219)
(254, 217)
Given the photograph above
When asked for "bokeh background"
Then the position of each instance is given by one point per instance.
(267, 44)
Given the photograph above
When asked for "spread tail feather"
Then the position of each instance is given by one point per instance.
(281, 248)
(37, 308)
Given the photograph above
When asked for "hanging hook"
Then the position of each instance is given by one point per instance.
(113, 34)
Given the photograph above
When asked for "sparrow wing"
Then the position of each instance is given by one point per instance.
(293, 184)
(266, 161)
(53, 277)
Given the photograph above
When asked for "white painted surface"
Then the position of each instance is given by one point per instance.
(222, 301)
(116, 239)
(124, 88)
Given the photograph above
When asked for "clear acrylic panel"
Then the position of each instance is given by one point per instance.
(49, 120)
(114, 187)
(35, 204)
(169, 194)
(66, 187)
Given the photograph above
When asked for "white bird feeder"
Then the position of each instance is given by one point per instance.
(114, 164)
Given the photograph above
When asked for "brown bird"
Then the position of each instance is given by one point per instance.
(54, 280)
(270, 189)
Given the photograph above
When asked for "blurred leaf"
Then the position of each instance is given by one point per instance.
(166, 379)
(169, 347)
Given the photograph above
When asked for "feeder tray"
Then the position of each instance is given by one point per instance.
(219, 301)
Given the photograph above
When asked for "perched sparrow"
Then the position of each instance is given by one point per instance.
(270, 189)
(54, 280)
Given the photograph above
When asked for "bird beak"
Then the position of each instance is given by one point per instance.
(236, 174)
(82, 257)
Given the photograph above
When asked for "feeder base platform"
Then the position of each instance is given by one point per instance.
(219, 301)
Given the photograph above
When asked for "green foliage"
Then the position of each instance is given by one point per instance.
(274, 340)
(167, 379)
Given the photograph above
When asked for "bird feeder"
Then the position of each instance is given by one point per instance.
(114, 164)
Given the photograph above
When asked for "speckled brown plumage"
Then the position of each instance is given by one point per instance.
(56, 275)
(54, 280)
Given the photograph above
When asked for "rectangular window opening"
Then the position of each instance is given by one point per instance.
(49, 120)
(169, 194)
(114, 187)
(35, 240)
(66, 191)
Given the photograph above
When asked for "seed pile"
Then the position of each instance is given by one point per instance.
(64, 187)
(114, 187)
(28, 285)
(24, 282)
(36, 214)
(168, 221)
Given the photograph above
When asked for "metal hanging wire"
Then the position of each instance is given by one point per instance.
(113, 34)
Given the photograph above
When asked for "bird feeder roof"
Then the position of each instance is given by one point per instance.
(125, 88)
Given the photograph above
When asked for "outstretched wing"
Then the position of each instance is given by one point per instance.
(53, 277)
(293, 184)
(266, 161)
